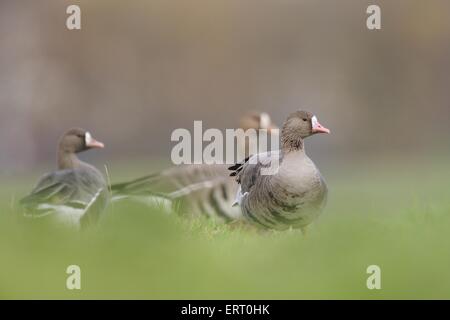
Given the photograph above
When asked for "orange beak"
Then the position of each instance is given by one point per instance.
(317, 127)
(92, 143)
(95, 144)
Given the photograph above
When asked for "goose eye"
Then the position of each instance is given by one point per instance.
(304, 119)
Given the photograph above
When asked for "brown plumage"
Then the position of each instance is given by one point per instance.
(76, 193)
(198, 189)
(293, 194)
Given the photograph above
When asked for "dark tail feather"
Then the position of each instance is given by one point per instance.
(235, 167)
(238, 165)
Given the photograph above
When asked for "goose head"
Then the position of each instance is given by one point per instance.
(298, 126)
(77, 140)
(257, 120)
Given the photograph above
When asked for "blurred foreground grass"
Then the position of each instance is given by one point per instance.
(395, 215)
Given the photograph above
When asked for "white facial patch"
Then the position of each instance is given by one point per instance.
(87, 138)
(314, 122)
(264, 121)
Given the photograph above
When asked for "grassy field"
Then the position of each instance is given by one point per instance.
(392, 214)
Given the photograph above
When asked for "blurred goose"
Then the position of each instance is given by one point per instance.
(76, 193)
(197, 188)
(293, 194)
(257, 121)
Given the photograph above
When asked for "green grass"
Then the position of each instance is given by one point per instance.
(394, 215)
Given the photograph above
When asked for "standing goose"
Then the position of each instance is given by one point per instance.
(76, 193)
(294, 194)
(197, 188)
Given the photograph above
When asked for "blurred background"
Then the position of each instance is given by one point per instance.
(139, 69)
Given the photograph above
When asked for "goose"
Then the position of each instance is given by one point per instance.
(255, 120)
(76, 193)
(205, 189)
(294, 193)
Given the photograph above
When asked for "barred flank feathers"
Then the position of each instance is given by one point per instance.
(203, 189)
